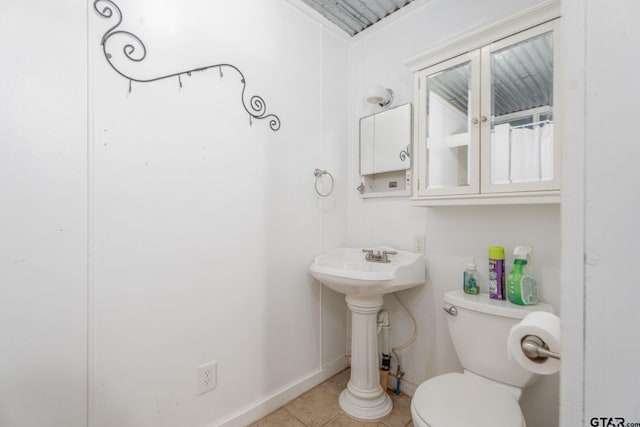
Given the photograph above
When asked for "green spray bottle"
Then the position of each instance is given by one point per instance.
(522, 289)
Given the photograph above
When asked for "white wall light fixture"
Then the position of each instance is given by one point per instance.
(377, 94)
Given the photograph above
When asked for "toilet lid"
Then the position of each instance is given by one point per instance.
(456, 400)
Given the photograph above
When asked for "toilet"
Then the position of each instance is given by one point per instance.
(488, 392)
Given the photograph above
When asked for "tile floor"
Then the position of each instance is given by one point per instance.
(319, 407)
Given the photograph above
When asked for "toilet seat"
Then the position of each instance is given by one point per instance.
(456, 400)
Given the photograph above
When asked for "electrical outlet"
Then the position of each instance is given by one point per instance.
(207, 377)
(419, 244)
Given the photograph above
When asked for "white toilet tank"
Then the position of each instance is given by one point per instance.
(479, 332)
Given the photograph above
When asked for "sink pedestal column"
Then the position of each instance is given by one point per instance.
(364, 398)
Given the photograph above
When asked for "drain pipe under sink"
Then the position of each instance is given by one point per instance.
(394, 350)
(383, 326)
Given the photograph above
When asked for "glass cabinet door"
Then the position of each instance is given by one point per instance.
(519, 80)
(448, 127)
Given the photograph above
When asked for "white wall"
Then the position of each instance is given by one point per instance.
(200, 227)
(205, 226)
(455, 233)
(43, 310)
(601, 214)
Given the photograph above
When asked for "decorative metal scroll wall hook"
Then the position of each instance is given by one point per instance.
(404, 154)
(135, 50)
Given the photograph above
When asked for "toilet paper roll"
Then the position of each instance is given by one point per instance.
(544, 325)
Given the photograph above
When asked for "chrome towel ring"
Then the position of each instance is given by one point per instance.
(318, 173)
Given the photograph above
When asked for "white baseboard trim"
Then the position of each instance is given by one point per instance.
(280, 398)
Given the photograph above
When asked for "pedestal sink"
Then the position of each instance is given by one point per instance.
(346, 270)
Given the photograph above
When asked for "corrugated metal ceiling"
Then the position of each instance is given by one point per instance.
(354, 16)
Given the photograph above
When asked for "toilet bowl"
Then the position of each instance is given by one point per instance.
(457, 400)
(487, 393)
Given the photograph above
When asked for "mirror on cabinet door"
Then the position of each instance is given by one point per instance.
(385, 141)
(522, 113)
(448, 131)
(449, 104)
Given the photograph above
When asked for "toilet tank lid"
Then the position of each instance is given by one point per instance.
(482, 303)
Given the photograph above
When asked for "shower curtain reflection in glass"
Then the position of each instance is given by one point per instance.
(522, 112)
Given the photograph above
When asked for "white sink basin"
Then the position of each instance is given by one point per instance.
(345, 270)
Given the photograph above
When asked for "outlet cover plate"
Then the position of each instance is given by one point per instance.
(419, 244)
(207, 377)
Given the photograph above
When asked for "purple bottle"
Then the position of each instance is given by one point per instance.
(496, 273)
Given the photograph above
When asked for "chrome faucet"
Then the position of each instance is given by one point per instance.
(378, 257)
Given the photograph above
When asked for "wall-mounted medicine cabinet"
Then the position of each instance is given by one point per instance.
(487, 122)
(385, 152)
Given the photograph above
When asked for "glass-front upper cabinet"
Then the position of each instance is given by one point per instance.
(488, 119)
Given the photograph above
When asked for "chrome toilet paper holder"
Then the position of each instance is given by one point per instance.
(536, 349)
